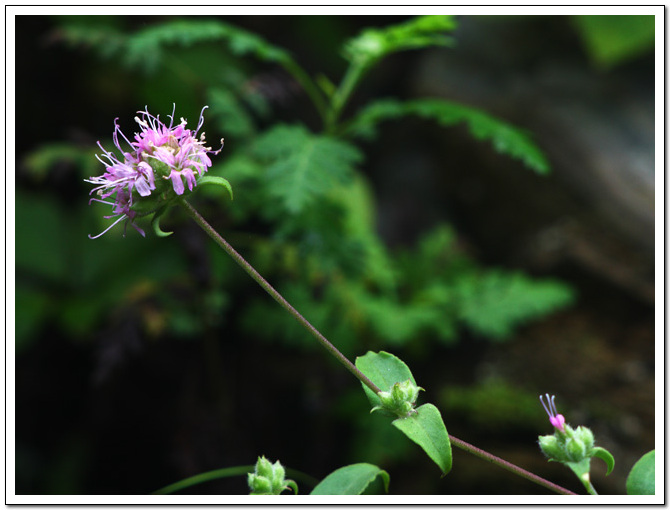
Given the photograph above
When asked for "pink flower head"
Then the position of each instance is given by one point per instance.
(160, 153)
(557, 420)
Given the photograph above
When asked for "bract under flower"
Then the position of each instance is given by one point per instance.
(157, 163)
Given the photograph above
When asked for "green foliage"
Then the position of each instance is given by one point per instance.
(493, 303)
(302, 167)
(505, 138)
(41, 161)
(351, 480)
(491, 405)
(614, 39)
(642, 477)
(145, 49)
(373, 44)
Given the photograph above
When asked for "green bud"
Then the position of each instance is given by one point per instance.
(259, 484)
(575, 449)
(400, 399)
(585, 436)
(405, 391)
(553, 448)
(264, 468)
(268, 478)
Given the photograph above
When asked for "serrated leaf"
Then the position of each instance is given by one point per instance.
(494, 303)
(505, 137)
(642, 477)
(375, 43)
(605, 456)
(383, 369)
(426, 428)
(303, 166)
(145, 48)
(350, 480)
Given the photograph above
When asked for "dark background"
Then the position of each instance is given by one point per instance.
(105, 407)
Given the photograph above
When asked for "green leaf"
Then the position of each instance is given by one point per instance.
(383, 369)
(505, 138)
(350, 480)
(217, 181)
(605, 456)
(642, 477)
(303, 167)
(373, 43)
(611, 40)
(426, 428)
(155, 223)
(495, 302)
(145, 48)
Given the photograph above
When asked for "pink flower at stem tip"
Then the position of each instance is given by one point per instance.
(557, 420)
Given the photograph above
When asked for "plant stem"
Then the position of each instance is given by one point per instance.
(342, 359)
(308, 85)
(508, 466)
(353, 74)
(276, 295)
(227, 472)
(590, 488)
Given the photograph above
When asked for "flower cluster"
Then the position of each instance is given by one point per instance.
(571, 446)
(160, 155)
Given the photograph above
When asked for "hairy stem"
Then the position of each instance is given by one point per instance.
(342, 359)
(508, 466)
(276, 295)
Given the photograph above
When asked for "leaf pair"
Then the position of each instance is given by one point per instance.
(425, 427)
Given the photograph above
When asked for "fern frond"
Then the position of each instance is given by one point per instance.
(505, 137)
(373, 43)
(304, 166)
(146, 46)
(495, 302)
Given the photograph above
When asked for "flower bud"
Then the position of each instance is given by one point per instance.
(575, 449)
(553, 448)
(259, 484)
(268, 478)
(400, 399)
(585, 436)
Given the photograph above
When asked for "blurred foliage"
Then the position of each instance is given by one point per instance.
(492, 404)
(317, 209)
(613, 39)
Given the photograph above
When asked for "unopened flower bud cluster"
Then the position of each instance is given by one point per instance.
(268, 478)
(400, 399)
